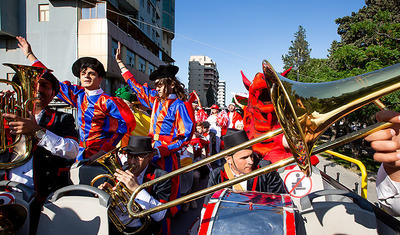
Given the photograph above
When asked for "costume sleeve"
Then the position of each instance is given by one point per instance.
(68, 92)
(123, 120)
(388, 192)
(145, 94)
(184, 125)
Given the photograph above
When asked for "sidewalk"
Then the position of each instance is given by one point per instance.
(348, 177)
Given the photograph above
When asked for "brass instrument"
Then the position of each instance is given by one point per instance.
(120, 195)
(21, 104)
(305, 110)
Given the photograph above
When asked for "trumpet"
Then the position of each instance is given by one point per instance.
(304, 111)
(120, 194)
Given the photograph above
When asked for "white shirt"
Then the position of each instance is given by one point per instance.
(146, 201)
(58, 146)
(388, 192)
(94, 92)
(230, 123)
(212, 119)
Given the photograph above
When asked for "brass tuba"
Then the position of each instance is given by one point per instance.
(19, 103)
(304, 110)
(120, 195)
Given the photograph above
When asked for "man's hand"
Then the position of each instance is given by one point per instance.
(24, 45)
(127, 178)
(386, 143)
(104, 186)
(19, 125)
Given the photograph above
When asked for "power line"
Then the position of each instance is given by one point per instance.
(168, 31)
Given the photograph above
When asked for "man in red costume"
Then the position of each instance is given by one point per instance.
(234, 117)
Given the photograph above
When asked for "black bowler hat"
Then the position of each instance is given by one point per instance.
(234, 137)
(55, 84)
(139, 145)
(90, 62)
(164, 71)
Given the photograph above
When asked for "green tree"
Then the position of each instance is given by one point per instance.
(298, 53)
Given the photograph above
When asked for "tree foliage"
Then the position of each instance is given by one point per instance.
(370, 40)
(299, 53)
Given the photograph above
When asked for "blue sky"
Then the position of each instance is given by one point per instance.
(239, 35)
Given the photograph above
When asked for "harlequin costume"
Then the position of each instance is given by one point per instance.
(171, 126)
(103, 120)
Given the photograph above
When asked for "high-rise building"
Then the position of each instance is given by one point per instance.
(221, 93)
(203, 78)
(61, 31)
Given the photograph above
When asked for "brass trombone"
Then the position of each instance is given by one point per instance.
(20, 105)
(305, 111)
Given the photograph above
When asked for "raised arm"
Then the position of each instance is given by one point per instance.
(68, 92)
(145, 94)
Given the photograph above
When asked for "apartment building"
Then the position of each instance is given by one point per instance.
(203, 78)
(221, 94)
(61, 31)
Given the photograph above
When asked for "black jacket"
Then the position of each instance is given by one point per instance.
(51, 172)
(270, 182)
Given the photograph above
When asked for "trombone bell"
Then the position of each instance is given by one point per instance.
(306, 110)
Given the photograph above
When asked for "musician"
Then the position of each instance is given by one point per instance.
(386, 143)
(140, 169)
(172, 120)
(55, 146)
(103, 120)
(243, 162)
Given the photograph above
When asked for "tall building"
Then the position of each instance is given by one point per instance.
(221, 93)
(203, 78)
(61, 31)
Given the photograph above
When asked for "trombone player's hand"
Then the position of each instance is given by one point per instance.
(128, 178)
(386, 143)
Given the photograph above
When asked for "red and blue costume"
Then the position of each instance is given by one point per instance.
(171, 126)
(103, 120)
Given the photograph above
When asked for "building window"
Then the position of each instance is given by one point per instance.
(43, 12)
(130, 58)
(96, 12)
(141, 65)
(151, 68)
(114, 47)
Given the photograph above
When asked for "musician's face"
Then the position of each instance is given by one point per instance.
(90, 79)
(242, 162)
(45, 93)
(139, 162)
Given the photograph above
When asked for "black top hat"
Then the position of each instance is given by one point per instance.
(14, 214)
(164, 71)
(90, 62)
(139, 145)
(234, 137)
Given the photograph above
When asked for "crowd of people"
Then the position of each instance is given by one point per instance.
(175, 134)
